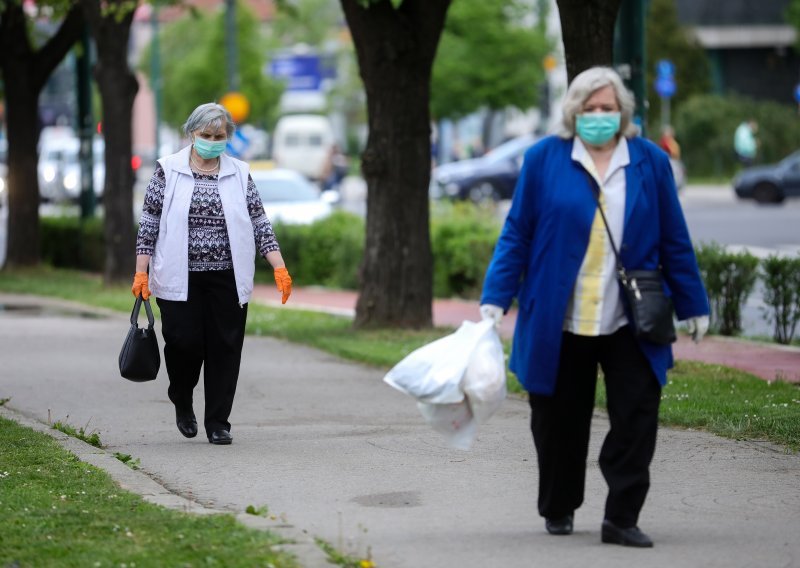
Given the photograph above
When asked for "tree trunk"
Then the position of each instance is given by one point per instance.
(587, 29)
(395, 49)
(24, 73)
(118, 87)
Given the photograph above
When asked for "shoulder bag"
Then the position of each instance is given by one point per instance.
(139, 359)
(649, 308)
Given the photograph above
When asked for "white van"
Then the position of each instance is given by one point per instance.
(304, 143)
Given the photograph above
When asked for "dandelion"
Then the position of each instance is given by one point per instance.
(366, 564)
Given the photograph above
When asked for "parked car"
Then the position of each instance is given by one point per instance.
(772, 183)
(491, 177)
(60, 169)
(290, 198)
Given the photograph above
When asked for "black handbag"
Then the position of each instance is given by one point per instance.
(139, 359)
(650, 309)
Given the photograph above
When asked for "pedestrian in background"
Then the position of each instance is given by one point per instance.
(201, 224)
(668, 143)
(745, 143)
(554, 256)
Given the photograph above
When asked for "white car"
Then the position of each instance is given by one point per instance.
(290, 198)
(60, 170)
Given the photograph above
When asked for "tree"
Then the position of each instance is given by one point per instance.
(487, 59)
(25, 70)
(587, 29)
(193, 63)
(395, 47)
(667, 39)
(110, 24)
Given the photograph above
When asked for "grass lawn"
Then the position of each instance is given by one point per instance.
(58, 511)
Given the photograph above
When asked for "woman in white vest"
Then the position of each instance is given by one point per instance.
(201, 225)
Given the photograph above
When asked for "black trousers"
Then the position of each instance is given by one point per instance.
(561, 426)
(205, 331)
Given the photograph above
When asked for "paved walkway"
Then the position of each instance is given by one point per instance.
(335, 453)
(768, 361)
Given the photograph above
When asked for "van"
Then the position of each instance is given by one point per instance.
(303, 143)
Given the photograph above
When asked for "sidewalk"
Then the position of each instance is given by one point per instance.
(768, 361)
(337, 454)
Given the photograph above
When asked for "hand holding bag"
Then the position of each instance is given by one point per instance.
(649, 307)
(139, 359)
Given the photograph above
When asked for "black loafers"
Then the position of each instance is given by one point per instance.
(221, 437)
(561, 525)
(632, 536)
(187, 423)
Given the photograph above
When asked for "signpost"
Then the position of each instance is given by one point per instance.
(665, 87)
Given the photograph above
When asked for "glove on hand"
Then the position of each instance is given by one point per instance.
(492, 312)
(697, 327)
(140, 285)
(284, 283)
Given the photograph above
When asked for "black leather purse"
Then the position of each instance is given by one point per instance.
(140, 359)
(649, 308)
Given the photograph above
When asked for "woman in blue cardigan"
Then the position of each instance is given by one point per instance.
(555, 258)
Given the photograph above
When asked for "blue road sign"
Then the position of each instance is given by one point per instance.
(665, 87)
(665, 68)
(797, 93)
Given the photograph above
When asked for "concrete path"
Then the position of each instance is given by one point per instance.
(335, 453)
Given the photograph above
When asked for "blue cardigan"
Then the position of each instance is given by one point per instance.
(544, 240)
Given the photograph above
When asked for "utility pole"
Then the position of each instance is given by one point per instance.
(85, 125)
(155, 73)
(629, 53)
(230, 46)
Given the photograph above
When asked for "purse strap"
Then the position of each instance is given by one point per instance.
(596, 193)
(137, 306)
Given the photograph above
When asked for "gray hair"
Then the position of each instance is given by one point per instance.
(582, 87)
(209, 114)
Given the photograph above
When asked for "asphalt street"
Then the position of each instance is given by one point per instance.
(335, 453)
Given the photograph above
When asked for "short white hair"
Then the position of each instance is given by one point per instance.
(209, 114)
(582, 87)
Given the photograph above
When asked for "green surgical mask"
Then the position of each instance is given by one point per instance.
(207, 149)
(597, 128)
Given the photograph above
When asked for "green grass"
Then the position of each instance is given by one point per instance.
(710, 397)
(58, 511)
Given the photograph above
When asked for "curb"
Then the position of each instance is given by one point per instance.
(300, 543)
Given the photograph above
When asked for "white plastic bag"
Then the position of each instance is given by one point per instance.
(459, 380)
(433, 373)
(485, 377)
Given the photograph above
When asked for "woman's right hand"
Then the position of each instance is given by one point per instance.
(492, 312)
(140, 285)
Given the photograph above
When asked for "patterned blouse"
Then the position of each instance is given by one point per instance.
(209, 247)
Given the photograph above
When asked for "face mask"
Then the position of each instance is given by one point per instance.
(597, 128)
(207, 149)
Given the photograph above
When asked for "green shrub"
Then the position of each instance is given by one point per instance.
(327, 252)
(781, 277)
(462, 239)
(729, 278)
(69, 242)
(705, 126)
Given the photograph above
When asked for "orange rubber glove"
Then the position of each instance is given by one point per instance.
(284, 283)
(140, 285)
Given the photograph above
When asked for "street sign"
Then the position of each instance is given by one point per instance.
(665, 68)
(665, 78)
(797, 93)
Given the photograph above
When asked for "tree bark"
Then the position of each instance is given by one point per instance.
(395, 50)
(587, 29)
(118, 87)
(24, 73)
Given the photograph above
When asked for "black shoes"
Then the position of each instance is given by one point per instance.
(632, 536)
(561, 525)
(220, 437)
(187, 423)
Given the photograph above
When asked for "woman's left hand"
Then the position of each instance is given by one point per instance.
(697, 327)
(284, 283)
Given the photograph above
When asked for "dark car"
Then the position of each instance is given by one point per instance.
(491, 177)
(770, 184)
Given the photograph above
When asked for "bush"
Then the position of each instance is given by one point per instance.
(69, 242)
(781, 278)
(729, 278)
(705, 126)
(327, 252)
(463, 239)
